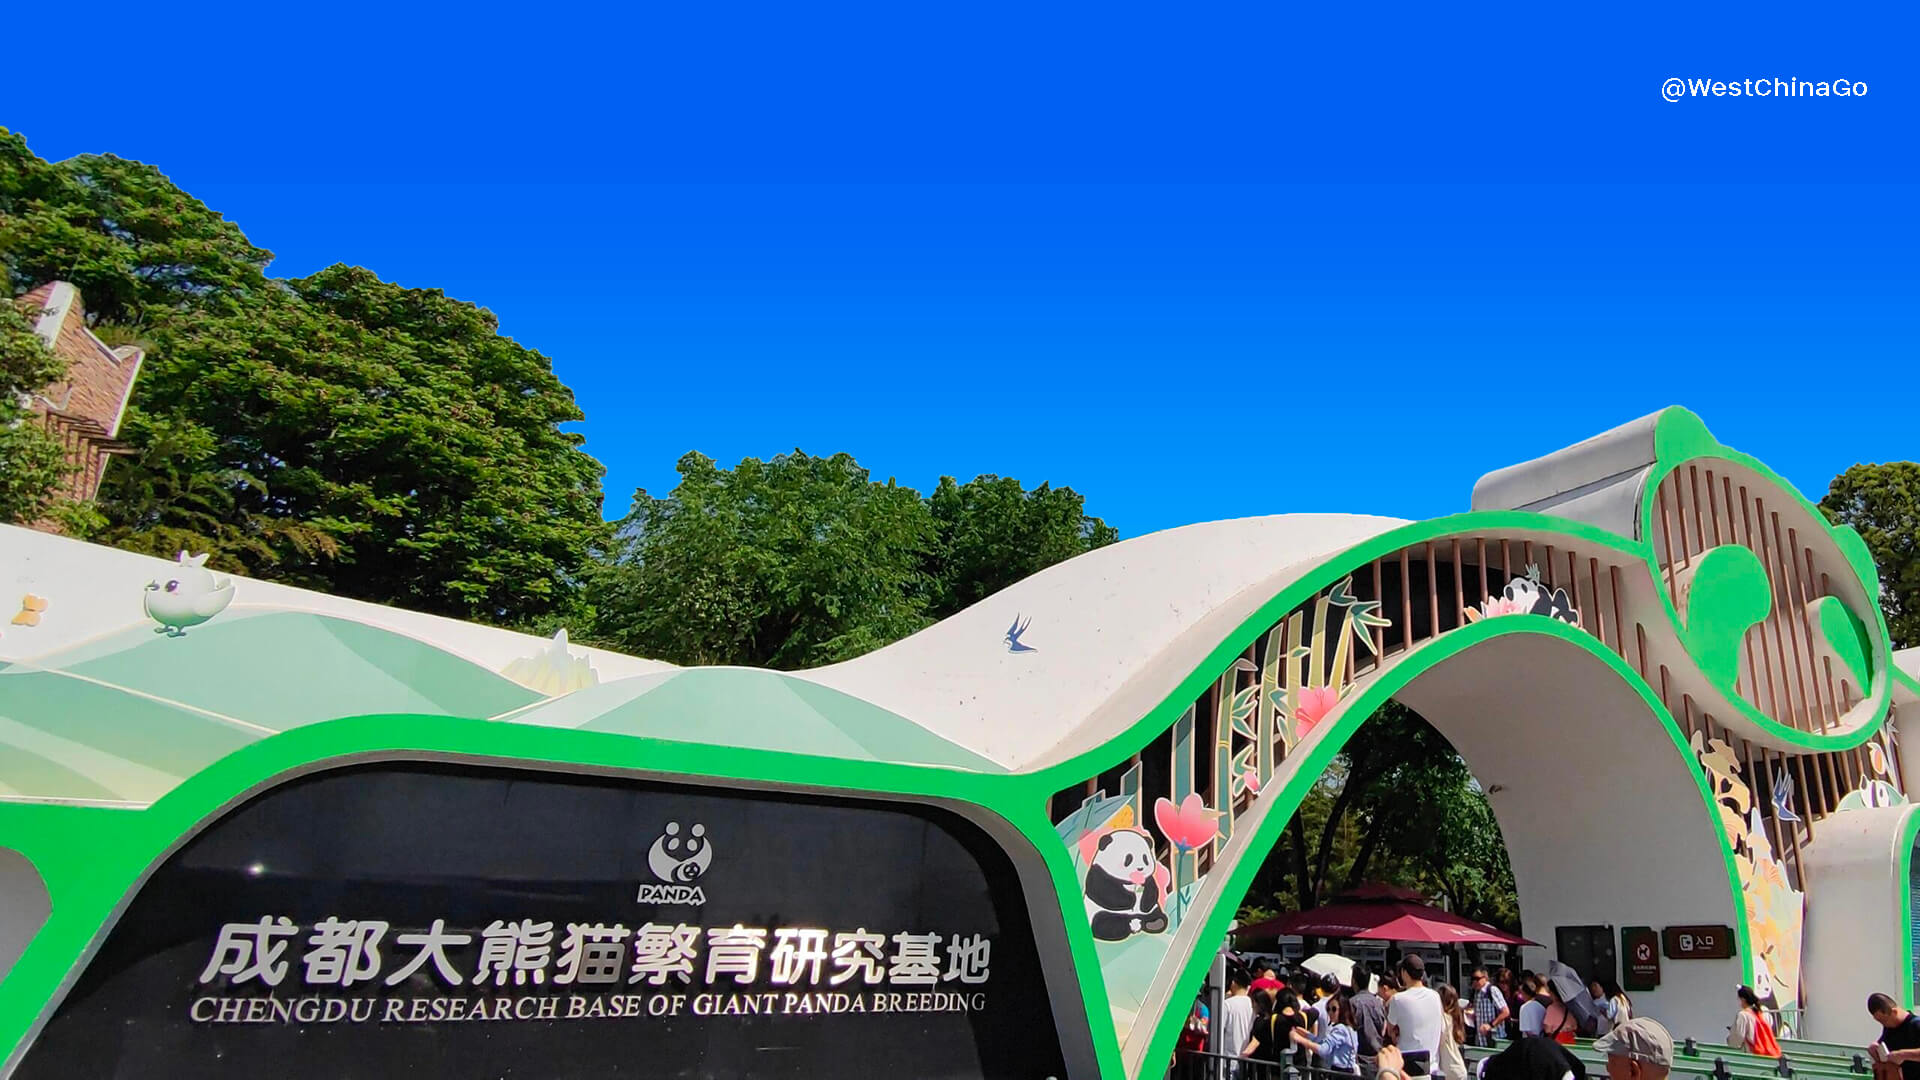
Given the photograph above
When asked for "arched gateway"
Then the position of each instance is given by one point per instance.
(248, 830)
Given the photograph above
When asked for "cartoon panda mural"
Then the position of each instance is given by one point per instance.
(1123, 886)
(1526, 596)
(1530, 597)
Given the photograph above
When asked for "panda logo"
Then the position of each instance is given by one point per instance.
(679, 860)
(1123, 896)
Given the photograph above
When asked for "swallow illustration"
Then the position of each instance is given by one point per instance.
(1783, 798)
(1013, 635)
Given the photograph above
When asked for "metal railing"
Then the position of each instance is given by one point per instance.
(1202, 1065)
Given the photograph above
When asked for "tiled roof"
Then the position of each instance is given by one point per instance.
(99, 378)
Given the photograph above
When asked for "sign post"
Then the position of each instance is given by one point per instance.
(1697, 942)
(1640, 952)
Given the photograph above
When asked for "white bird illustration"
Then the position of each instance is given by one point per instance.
(190, 597)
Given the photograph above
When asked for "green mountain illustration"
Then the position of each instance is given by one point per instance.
(125, 716)
(768, 710)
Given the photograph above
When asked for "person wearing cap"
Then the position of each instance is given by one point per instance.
(1639, 1049)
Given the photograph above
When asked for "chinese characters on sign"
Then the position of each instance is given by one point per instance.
(1697, 942)
(394, 920)
(343, 953)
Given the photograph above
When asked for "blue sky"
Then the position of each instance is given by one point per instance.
(1196, 264)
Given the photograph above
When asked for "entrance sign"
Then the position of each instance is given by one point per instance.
(1640, 952)
(419, 920)
(203, 873)
(1698, 942)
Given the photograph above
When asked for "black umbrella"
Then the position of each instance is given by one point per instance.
(1571, 989)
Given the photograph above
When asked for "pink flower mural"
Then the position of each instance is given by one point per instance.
(1315, 703)
(1189, 825)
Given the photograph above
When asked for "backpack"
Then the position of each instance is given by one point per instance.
(1764, 1043)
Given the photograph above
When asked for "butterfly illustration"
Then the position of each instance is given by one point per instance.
(31, 607)
(1013, 636)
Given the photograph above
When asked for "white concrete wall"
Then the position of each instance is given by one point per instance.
(1112, 633)
(1602, 817)
(92, 590)
(1856, 936)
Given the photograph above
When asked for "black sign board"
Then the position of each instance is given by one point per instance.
(1697, 942)
(1640, 958)
(414, 921)
(1586, 949)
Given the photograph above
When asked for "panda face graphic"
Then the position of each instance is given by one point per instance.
(679, 858)
(1123, 887)
(1531, 597)
(1523, 591)
(1129, 859)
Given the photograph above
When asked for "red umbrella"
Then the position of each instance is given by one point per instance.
(1381, 920)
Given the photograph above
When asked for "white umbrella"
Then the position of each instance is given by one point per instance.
(1326, 963)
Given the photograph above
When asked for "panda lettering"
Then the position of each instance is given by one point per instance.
(1122, 893)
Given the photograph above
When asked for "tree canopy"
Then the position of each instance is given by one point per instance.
(805, 560)
(133, 243)
(791, 562)
(994, 533)
(1882, 502)
(336, 431)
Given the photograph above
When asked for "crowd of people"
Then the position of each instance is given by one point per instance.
(1313, 1020)
(1399, 1028)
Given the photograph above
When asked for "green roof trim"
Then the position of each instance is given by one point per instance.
(1681, 437)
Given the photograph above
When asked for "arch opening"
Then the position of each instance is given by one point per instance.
(1600, 809)
(1398, 815)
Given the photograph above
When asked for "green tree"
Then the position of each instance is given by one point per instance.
(1882, 502)
(343, 433)
(336, 431)
(786, 563)
(992, 533)
(122, 232)
(32, 463)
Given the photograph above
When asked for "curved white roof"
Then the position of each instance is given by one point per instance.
(1908, 661)
(1111, 633)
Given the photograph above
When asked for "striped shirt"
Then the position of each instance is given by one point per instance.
(1488, 1003)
